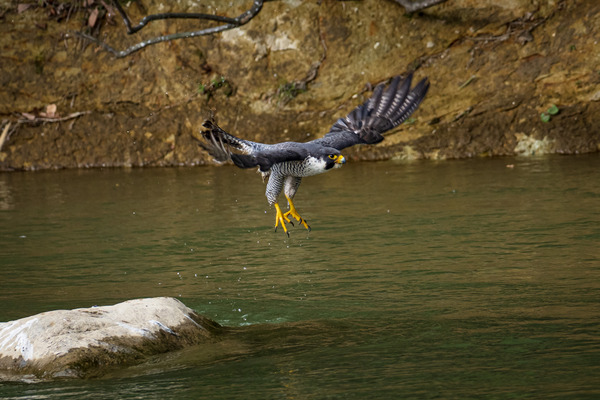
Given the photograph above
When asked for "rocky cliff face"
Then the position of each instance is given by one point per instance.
(291, 71)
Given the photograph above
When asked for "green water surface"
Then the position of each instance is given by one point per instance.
(456, 279)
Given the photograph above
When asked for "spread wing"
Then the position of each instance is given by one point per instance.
(386, 109)
(271, 155)
(224, 146)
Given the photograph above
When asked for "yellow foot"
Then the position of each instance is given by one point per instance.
(294, 214)
(280, 218)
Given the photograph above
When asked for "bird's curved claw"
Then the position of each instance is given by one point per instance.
(298, 218)
(280, 218)
(294, 213)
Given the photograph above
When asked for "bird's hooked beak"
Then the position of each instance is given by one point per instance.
(339, 159)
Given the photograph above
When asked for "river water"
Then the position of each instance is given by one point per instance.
(456, 279)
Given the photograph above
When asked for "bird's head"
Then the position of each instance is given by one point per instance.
(333, 158)
(322, 159)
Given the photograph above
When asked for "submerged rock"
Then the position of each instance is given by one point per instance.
(85, 342)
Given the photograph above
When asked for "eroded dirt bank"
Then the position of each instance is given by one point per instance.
(291, 71)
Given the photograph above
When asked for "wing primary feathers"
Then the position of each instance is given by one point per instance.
(386, 109)
(224, 146)
(375, 99)
(390, 96)
(397, 97)
(213, 142)
(410, 103)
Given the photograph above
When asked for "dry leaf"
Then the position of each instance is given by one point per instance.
(51, 110)
(22, 7)
(93, 18)
(29, 116)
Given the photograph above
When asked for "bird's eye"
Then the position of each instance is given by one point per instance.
(332, 156)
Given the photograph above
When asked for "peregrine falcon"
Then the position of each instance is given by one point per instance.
(286, 163)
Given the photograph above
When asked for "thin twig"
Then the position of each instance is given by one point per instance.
(471, 79)
(34, 120)
(4, 135)
(44, 119)
(229, 23)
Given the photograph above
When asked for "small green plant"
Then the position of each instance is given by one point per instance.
(215, 84)
(289, 90)
(546, 116)
(39, 63)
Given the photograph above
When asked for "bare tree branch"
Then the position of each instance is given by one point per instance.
(35, 120)
(412, 6)
(227, 23)
(154, 17)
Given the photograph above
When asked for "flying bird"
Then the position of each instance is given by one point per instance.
(286, 163)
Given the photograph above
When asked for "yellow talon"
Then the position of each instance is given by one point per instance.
(281, 218)
(292, 211)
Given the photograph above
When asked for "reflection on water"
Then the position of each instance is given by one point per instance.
(6, 201)
(461, 279)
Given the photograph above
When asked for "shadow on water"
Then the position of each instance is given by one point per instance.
(462, 279)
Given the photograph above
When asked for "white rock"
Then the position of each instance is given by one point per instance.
(82, 341)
